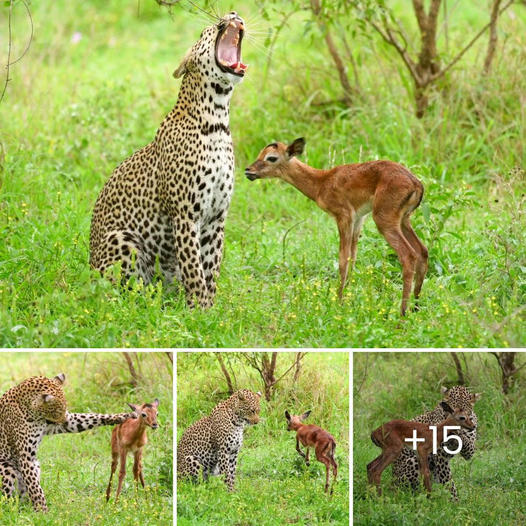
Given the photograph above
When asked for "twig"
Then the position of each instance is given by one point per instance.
(9, 63)
(287, 233)
(8, 52)
(470, 44)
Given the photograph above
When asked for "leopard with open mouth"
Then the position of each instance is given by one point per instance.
(164, 208)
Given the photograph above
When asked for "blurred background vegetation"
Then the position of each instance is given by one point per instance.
(273, 484)
(403, 385)
(76, 467)
(350, 77)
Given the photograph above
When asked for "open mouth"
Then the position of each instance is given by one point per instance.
(228, 47)
(251, 176)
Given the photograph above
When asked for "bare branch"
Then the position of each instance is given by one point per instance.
(134, 376)
(28, 45)
(469, 45)
(225, 373)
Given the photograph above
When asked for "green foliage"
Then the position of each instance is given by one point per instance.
(75, 468)
(73, 111)
(491, 485)
(273, 484)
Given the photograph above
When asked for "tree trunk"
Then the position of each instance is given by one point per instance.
(226, 374)
(458, 366)
(134, 376)
(492, 42)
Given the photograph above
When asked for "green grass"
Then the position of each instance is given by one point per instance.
(273, 485)
(75, 468)
(490, 486)
(74, 111)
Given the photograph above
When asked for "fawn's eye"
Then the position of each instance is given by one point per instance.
(271, 159)
(143, 415)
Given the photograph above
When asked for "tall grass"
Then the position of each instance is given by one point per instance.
(273, 485)
(75, 468)
(75, 110)
(404, 385)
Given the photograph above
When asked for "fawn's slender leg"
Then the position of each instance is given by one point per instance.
(298, 449)
(421, 250)
(122, 473)
(324, 460)
(307, 457)
(357, 228)
(137, 467)
(388, 456)
(424, 469)
(345, 229)
(406, 255)
(114, 464)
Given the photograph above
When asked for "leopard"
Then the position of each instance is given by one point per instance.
(406, 468)
(211, 445)
(162, 212)
(29, 411)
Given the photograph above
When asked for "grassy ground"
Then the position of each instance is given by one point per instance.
(76, 108)
(75, 468)
(491, 485)
(273, 485)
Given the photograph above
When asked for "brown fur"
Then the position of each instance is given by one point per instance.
(348, 193)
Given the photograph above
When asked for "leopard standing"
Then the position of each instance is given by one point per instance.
(406, 469)
(29, 411)
(213, 443)
(168, 202)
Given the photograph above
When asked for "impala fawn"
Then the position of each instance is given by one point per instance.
(130, 437)
(348, 193)
(391, 438)
(313, 436)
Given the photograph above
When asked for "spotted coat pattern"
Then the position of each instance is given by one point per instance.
(168, 202)
(405, 467)
(211, 445)
(28, 412)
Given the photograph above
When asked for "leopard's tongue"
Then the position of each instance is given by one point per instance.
(238, 67)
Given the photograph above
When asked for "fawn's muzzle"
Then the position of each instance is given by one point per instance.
(251, 176)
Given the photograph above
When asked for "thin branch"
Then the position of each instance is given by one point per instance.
(28, 45)
(8, 52)
(469, 45)
(134, 381)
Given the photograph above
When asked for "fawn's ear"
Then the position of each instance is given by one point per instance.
(287, 415)
(475, 397)
(60, 378)
(156, 403)
(445, 406)
(305, 415)
(296, 147)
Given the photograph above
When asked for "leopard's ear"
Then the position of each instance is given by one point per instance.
(475, 397)
(183, 66)
(258, 394)
(47, 397)
(444, 390)
(241, 395)
(60, 378)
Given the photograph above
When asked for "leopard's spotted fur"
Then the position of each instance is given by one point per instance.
(213, 443)
(405, 468)
(28, 411)
(168, 202)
